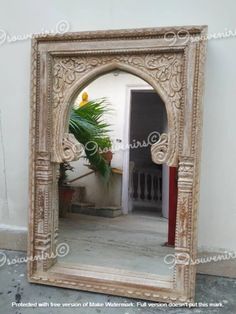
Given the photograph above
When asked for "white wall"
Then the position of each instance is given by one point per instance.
(218, 202)
(115, 89)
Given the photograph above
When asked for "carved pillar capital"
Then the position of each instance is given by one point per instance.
(71, 148)
(43, 168)
(185, 179)
(159, 150)
(67, 149)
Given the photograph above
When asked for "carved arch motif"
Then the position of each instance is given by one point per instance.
(164, 72)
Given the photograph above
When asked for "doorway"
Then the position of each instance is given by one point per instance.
(142, 178)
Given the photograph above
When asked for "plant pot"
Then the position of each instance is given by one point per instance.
(108, 156)
(66, 194)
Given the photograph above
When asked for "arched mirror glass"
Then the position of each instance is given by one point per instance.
(114, 200)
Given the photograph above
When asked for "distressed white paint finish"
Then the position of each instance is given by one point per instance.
(57, 75)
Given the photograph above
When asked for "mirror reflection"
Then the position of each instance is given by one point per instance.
(117, 208)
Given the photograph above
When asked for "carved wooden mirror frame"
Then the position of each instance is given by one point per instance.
(171, 60)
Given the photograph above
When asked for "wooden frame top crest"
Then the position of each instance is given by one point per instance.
(171, 60)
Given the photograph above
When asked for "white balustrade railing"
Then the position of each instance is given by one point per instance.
(146, 185)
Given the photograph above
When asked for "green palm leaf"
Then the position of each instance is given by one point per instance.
(88, 127)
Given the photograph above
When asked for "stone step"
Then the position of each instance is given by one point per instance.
(82, 204)
(106, 211)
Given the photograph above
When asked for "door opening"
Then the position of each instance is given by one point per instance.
(147, 121)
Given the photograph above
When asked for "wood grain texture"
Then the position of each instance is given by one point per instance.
(61, 66)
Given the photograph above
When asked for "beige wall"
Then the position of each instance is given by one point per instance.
(218, 202)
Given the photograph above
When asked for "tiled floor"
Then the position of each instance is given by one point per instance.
(132, 242)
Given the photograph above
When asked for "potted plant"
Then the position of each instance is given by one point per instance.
(88, 127)
(106, 152)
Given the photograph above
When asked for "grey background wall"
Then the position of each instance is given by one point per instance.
(218, 177)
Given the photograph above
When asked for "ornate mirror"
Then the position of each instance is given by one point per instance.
(131, 233)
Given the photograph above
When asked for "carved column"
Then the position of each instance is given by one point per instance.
(55, 209)
(183, 226)
(43, 214)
